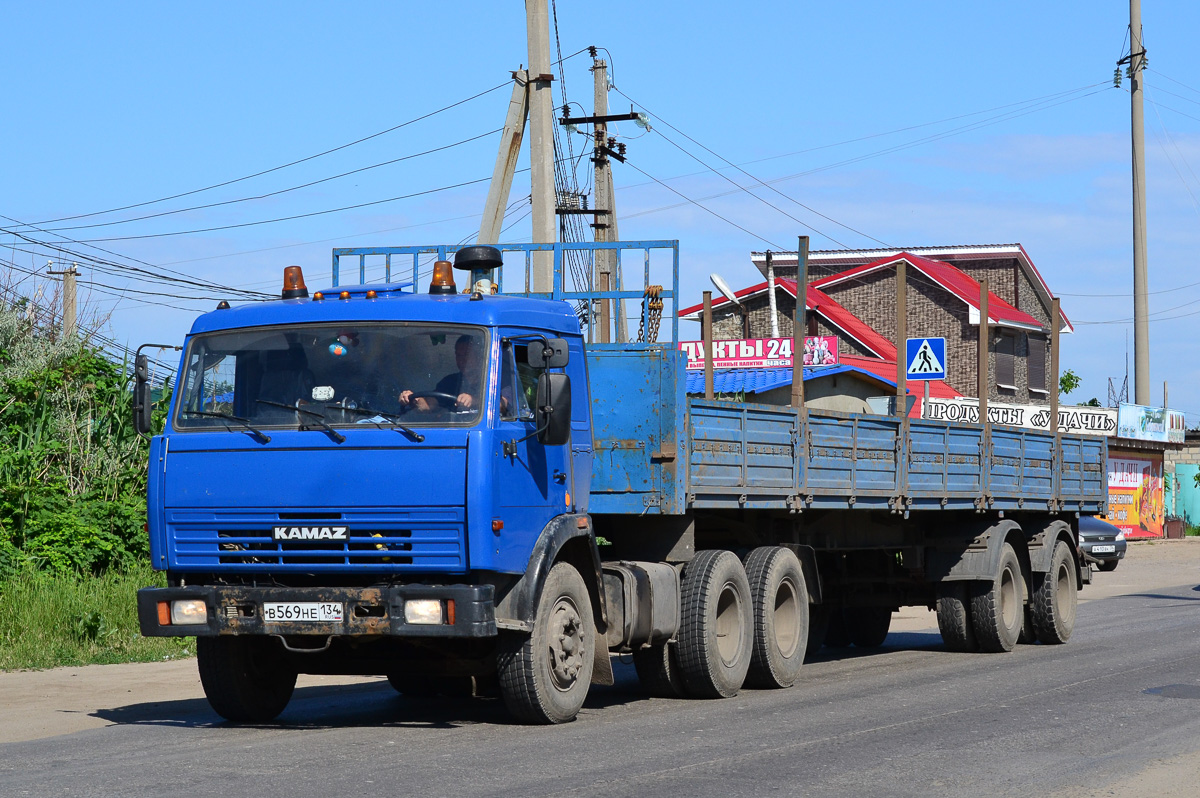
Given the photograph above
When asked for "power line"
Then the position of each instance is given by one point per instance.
(752, 177)
(281, 166)
(276, 193)
(908, 145)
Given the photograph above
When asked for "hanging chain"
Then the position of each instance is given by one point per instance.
(653, 301)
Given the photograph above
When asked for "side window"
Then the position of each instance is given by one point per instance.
(518, 383)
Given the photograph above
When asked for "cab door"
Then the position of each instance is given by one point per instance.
(531, 482)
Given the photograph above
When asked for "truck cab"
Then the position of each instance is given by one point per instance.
(361, 480)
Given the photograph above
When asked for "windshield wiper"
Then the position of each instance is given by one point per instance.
(228, 417)
(337, 436)
(394, 419)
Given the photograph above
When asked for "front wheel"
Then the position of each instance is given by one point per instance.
(545, 676)
(245, 678)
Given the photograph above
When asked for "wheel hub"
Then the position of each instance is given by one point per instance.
(566, 645)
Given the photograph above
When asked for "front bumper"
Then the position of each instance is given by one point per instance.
(370, 611)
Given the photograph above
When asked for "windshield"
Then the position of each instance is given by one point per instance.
(342, 375)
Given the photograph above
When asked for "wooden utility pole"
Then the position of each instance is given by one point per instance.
(706, 332)
(70, 324)
(800, 323)
(506, 160)
(1055, 323)
(1141, 322)
(541, 141)
(985, 337)
(901, 339)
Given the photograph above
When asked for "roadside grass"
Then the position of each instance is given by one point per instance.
(50, 620)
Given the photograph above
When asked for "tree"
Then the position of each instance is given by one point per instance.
(1068, 382)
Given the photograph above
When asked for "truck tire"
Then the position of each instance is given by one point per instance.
(1055, 598)
(716, 631)
(245, 679)
(954, 617)
(997, 609)
(545, 675)
(779, 600)
(658, 671)
(818, 625)
(428, 686)
(868, 626)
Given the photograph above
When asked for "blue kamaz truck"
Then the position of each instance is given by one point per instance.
(412, 482)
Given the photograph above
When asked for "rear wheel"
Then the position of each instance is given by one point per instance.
(837, 631)
(954, 617)
(779, 599)
(658, 671)
(245, 679)
(997, 609)
(868, 626)
(429, 686)
(1055, 599)
(545, 676)
(716, 632)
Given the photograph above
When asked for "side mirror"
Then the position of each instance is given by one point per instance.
(142, 407)
(551, 356)
(553, 409)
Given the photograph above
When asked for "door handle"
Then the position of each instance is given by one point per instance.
(559, 476)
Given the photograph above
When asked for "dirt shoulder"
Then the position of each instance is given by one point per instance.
(49, 703)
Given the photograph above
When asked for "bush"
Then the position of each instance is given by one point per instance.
(72, 469)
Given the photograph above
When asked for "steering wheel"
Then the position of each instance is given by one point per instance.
(447, 400)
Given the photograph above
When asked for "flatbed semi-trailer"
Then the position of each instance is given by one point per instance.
(310, 520)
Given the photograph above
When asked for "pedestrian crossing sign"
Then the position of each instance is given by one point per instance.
(926, 358)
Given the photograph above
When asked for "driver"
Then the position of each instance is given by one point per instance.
(462, 384)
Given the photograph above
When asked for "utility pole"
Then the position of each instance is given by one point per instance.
(506, 160)
(1141, 322)
(901, 339)
(541, 141)
(69, 309)
(605, 223)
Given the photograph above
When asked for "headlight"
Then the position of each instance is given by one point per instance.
(188, 612)
(1121, 535)
(425, 611)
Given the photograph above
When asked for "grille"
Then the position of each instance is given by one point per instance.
(401, 540)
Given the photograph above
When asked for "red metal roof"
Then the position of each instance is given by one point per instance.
(953, 280)
(821, 303)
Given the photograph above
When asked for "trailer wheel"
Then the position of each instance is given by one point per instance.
(245, 679)
(1055, 598)
(658, 671)
(716, 632)
(868, 626)
(779, 599)
(997, 609)
(954, 617)
(545, 676)
(427, 686)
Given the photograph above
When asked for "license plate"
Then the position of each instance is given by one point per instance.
(311, 611)
(1104, 549)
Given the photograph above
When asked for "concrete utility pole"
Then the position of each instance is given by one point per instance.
(506, 160)
(69, 310)
(1141, 321)
(605, 224)
(771, 295)
(541, 141)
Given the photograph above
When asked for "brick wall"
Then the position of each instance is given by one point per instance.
(727, 324)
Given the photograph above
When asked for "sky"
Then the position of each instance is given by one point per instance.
(902, 123)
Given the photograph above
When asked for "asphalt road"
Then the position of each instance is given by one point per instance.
(1116, 711)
